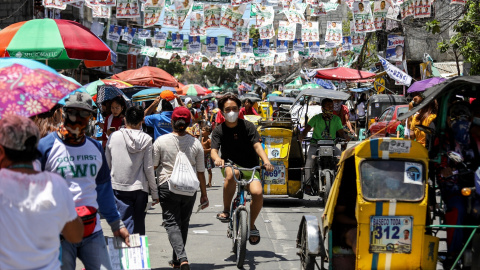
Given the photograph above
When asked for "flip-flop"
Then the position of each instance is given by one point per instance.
(254, 233)
(225, 219)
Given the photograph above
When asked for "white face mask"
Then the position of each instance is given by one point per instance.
(476, 121)
(231, 116)
(337, 106)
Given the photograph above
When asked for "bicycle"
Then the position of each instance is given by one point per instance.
(238, 227)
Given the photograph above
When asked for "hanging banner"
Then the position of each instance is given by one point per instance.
(114, 33)
(151, 14)
(243, 63)
(264, 16)
(182, 10)
(230, 63)
(347, 43)
(101, 12)
(266, 32)
(106, 3)
(282, 46)
(241, 33)
(334, 32)
(170, 18)
(230, 46)
(263, 46)
(380, 9)
(194, 44)
(77, 4)
(240, 2)
(204, 65)
(310, 31)
(294, 16)
(212, 44)
(247, 47)
(127, 9)
(313, 3)
(422, 9)
(212, 15)
(330, 6)
(144, 33)
(286, 30)
(128, 34)
(197, 24)
(232, 16)
(122, 48)
(177, 41)
(362, 16)
(395, 73)
(268, 61)
(406, 8)
(318, 10)
(458, 2)
(395, 48)
(298, 45)
(357, 38)
(57, 4)
(402, 65)
(314, 47)
(197, 7)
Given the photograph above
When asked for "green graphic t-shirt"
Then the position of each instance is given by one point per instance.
(320, 131)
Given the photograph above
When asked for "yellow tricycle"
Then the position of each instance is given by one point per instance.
(375, 215)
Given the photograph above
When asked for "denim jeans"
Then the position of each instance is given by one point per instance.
(92, 251)
(177, 210)
(131, 205)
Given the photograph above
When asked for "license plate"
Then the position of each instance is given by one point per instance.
(391, 234)
(277, 176)
(400, 146)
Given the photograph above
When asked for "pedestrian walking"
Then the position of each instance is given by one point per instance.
(161, 122)
(114, 121)
(207, 148)
(35, 206)
(81, 161)
(177, 208)
(129, 157)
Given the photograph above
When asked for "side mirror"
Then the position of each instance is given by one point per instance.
(376, 119)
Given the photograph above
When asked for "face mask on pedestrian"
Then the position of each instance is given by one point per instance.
(74, 126)
(460, 128)
(476, 121)
(231, 116)
(337, 106)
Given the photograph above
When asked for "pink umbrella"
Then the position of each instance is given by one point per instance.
(420, 86)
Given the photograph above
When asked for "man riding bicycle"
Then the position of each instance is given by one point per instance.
(240, 143)
(325, 126)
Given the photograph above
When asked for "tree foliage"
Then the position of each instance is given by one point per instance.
(175, 68)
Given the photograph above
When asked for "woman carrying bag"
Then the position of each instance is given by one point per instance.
(180, 160)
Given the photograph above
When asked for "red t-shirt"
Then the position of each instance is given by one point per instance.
(116, 122)
(244, 111)
(344, 111)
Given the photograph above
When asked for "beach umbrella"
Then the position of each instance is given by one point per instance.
(28, 91)
(147, 76)
(420, 86)
(309, 86)
(61, 44)
(92, 87)
(192, 90)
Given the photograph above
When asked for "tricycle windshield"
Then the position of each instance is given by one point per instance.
(392, 179)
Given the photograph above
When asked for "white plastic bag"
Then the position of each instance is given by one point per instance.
(183, 180)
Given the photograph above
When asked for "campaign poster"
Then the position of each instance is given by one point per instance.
(294, 16)
(334, 32)
(407, 8)
(182, 9)
(240, 2)
(395, 48)
(128, 9)
(357, 38)
(231, 17)
(144, 33)
(318, 10)
(114, 33)
(77, 4)
(268, 61)
(151, 15)
(170, 18)
(266, 32)
(197, 24)
(194, 44)
(263, 46)
(282, 46)
(458, 2)
(380, 9)
(347, 43)
(177, 41)
(313, 3)
(241, 33)
(212, 15)
(106, 3)
(244, 62)
(362, 16)
(286, 30)
(422, 9)
(128, 34)
(101, 12)
(310, 31)
(264, 16)
(204, 65)
(391, 234)
(159, 39)
(330, 6)
(212, 44)
(285, 4)
(298, 45)
(230, 63)
(247, 47)
(314, 47)
(230, 45)
(58, 4)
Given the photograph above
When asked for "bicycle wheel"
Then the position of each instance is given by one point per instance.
(307, 262)
(327, 187)
(241, 240)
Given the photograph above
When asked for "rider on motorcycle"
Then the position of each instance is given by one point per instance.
(325, 126)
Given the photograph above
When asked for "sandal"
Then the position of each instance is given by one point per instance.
(174, 264)
(254, 233)
(224, 219)
(184, 266)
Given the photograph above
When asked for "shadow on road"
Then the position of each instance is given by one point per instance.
(312, 202)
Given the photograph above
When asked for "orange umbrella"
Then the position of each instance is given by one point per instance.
(147, 76)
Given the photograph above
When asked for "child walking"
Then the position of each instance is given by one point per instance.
(401, 129)
(207, 147)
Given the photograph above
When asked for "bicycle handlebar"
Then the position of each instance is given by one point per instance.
(243, 182)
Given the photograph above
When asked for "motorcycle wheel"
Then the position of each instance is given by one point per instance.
(307, 262)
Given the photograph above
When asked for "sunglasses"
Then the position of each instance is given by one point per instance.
(81, 113)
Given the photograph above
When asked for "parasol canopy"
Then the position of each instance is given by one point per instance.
(420, 86)
(192, 90)
(62, 44)
(147, 76)
(344, 74)
(92, 87)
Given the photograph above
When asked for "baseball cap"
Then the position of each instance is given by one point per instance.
(15, 130)
(80, 100)
(167, 95)
(181, 112)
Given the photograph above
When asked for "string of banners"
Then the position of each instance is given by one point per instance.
(276, 46)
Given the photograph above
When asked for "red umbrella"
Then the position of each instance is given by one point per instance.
(343, 74)
(147, 76)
